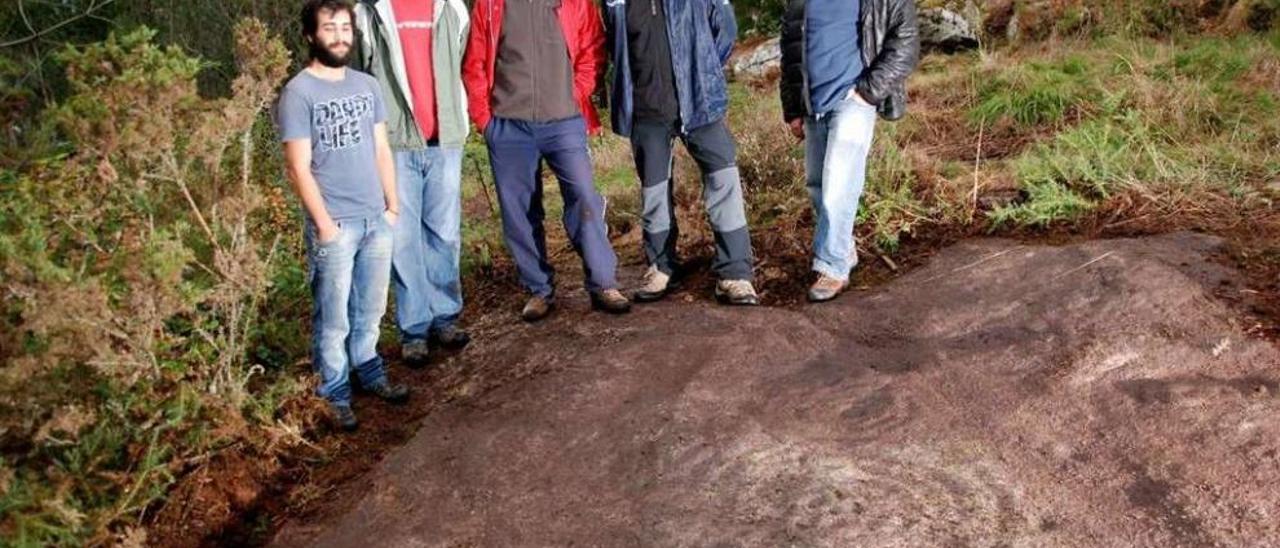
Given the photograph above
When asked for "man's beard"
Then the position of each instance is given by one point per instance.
(327, 58)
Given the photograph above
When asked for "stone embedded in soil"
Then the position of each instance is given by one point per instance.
(1002, 394)
(946, 30)
(759, 61)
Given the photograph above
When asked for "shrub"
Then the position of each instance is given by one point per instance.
(1047, 202)
(138, 280)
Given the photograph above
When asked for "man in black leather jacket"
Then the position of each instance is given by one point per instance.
(844, 63)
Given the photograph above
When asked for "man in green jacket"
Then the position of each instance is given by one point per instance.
(414, 49)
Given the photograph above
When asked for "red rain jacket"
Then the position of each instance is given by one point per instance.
(583, 34)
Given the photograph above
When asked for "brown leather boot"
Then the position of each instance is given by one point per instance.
(537, 308)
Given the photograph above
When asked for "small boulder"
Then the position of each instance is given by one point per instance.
(759, 61)
(945, 30)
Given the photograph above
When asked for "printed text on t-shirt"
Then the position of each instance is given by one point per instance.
(337, 122)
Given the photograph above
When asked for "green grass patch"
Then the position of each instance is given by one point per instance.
(1036, 93)
(1208, 59)
(1163, 120)
(1047, 203)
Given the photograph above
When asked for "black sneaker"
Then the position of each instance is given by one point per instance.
(345, 417)
(450, 337)
(415, 353)
(393, 393)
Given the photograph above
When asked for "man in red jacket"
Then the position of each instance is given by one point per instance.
(529, 70)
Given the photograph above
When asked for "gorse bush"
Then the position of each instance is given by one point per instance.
(137, 279)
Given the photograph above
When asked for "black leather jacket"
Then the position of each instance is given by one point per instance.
(890, 51)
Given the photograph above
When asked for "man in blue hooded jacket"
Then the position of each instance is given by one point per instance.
(668, 82)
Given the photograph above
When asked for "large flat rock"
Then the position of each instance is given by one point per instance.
(1004, 394)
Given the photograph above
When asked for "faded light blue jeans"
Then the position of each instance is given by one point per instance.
(836, 148)
(428, 240)
(349, 278)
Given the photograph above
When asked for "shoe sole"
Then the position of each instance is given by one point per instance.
(649, 297)
(396, 401)
(642, 297)
(617, 311)
(723, 298)
(417, 363)
(534, 319)
(355, 387)
(454, 344)
(833, 297)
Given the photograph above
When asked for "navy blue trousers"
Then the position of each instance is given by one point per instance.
(516, 151)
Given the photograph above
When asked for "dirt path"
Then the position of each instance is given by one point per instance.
(1004, 394)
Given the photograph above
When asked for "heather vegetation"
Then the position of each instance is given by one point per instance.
(155, 305)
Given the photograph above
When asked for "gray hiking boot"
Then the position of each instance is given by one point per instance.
(826, 288)
(656, 285)
(737, 292)
(344, 417)
(537, 308)
(392, 393)
(415, 353)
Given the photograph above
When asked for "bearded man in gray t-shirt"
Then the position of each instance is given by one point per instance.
(333, 125)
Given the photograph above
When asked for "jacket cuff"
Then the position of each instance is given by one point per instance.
(868, 93)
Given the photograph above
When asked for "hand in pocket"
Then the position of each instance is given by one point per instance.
(328, 233)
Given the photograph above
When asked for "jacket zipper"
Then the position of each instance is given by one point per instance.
(493, 52)
(665, 26)
(804, 68)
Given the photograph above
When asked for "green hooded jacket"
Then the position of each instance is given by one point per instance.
(377, 51)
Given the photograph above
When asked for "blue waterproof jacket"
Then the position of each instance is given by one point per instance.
(701, 33)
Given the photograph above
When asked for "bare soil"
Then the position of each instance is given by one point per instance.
(1004, 393)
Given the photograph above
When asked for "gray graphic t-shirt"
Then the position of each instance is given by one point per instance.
(338, 117)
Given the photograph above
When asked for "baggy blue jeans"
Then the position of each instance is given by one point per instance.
(349, 277)
(428, 240)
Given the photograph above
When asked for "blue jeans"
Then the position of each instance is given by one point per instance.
(516, 151)
(836, 148)
(428, 240)
(349, 278)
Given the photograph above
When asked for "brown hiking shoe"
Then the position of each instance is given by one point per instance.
(826, 288)
(537, 308)
(656, 285)
(611, 301)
